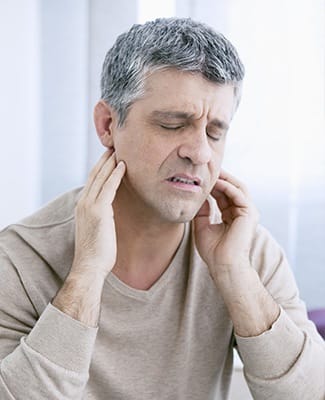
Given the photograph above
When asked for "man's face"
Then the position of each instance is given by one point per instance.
(173, 143)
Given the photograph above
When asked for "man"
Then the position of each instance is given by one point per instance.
(140, 285)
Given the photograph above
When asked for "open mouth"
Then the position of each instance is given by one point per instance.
(186, 181)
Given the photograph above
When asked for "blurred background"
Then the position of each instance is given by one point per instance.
(51, 57)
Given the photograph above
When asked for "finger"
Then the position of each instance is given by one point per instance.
(226, 216)
(233, 193)
(98, 180)
(93, 173)
(226, 176)
(228, 210)
(108, 191)
(222, 200)
(101, 178)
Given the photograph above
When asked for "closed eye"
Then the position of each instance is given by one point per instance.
(215, 134)
(172, 127)
(214, 138)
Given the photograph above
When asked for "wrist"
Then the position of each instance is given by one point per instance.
(226, 276)
(91, 269)
(80, 297)
(251, 308)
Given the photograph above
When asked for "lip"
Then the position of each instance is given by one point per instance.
(185, 186)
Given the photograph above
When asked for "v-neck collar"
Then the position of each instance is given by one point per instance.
(145, 295)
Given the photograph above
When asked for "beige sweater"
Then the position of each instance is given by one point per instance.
(173, 341)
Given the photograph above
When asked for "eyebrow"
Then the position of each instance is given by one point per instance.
(172, 115)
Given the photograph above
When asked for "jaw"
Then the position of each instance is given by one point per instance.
(155, 209)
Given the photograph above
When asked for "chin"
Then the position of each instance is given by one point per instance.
(178, 216)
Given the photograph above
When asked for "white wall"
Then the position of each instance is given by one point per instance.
(63, 94)
(19, 109)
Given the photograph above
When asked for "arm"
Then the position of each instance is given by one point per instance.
(297, 365)
(50, 356)
(95, 243)
(31, 357)
(277, 344)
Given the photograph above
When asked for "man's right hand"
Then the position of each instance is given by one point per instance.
(95, 243)
(95, 237)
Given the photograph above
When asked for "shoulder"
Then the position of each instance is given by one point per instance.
(57, 211)
(35, 256)
(47, 236)
(266, 255)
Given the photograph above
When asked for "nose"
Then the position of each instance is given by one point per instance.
(195, 147)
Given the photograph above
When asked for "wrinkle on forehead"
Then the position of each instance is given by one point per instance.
(189, 93)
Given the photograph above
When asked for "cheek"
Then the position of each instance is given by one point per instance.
(216, 161)
(127, 148)
(214, 177)
(141, 162)
(215, 168)
(141, 154)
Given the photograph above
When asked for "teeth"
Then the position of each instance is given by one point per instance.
(183, 180)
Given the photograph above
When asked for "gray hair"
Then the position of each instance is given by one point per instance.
(179, 43)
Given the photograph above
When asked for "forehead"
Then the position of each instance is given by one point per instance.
(170, 90)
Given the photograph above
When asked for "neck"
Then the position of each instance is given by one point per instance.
(145, 244)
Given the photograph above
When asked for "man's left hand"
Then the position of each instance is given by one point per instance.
(226, 246)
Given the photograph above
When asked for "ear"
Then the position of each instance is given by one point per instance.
(104, 118)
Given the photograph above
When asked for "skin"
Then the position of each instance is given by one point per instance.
(130, 217)
(154, 150)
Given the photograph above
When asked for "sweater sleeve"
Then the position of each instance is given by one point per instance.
(288, 361)
(46, 357)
